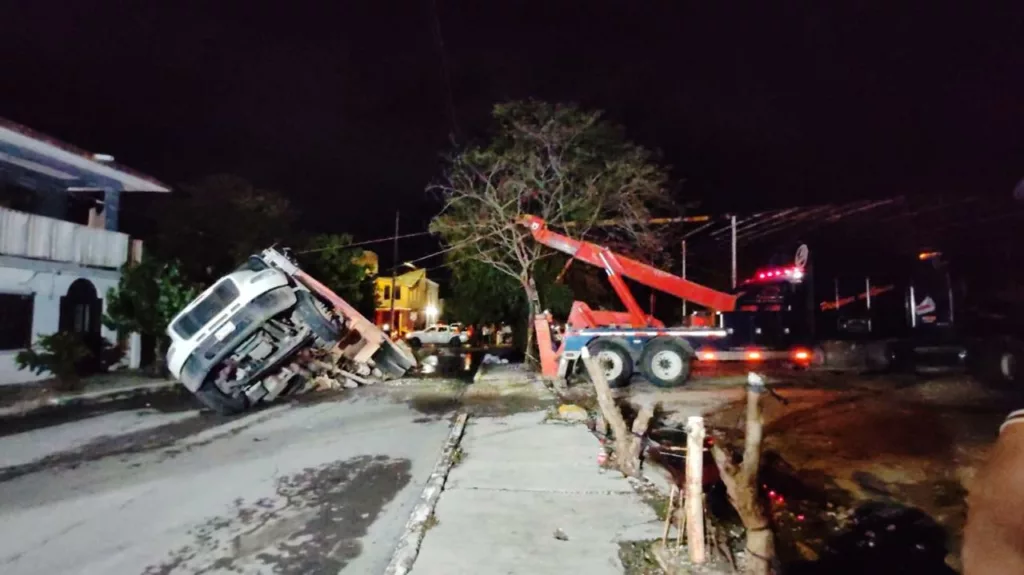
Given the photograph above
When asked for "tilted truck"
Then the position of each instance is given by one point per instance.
(267, 328)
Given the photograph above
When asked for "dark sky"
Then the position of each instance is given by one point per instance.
(342, 106)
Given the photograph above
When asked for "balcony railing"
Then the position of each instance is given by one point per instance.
(39, 237)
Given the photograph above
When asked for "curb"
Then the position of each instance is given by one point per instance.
(22, 408)
(409, 543)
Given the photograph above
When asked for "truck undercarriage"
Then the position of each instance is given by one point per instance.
(266, 330)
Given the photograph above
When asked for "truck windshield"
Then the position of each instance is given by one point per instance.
(222, 295)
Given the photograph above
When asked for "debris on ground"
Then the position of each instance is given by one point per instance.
(572, 412)
(560, 535)
(861, 471)
(492, 360)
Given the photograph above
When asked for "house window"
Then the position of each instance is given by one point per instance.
(15, 321)
(387, 292)
(398, 292)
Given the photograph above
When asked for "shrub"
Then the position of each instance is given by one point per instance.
(58, 353)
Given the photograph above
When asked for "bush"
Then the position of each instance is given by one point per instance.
(58, 353)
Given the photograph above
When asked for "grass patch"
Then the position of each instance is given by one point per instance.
(458, 456)
(637, 558)
(431, 522)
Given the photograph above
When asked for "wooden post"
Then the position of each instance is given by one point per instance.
(669, 511)
(695, 488)
(741, 483)
(623, 438)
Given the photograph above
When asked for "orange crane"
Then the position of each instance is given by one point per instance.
(625, 341)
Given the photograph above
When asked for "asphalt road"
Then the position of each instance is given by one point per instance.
(321, 486)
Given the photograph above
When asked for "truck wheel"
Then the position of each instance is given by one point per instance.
(212, 397)
(666, 363)
(315, 315)
(415, 343)
(614, 360)
(455, 342)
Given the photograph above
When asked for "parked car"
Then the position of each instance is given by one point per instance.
(436, 335)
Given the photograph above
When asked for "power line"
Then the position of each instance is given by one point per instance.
(366, 243)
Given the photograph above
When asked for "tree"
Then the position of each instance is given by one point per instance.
(558, 162)
(213, 224)
(148, 296)
(341, 268)
(481, 294)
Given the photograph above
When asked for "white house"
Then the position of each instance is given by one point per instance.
(55, 274)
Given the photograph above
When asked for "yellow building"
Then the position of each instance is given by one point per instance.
(415, 298)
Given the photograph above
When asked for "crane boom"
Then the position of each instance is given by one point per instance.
(618, 266)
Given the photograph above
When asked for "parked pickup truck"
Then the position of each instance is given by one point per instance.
(266, 329)
(436, 335)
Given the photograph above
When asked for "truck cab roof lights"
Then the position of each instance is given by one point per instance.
(789, 273)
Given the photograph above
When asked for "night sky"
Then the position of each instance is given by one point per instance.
(343, 105)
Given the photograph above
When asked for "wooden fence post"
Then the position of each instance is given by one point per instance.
(695, 489)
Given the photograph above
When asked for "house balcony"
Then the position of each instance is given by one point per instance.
(41, 238)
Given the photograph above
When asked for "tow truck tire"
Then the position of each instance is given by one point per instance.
(211, 396)
(314, 314)
(666, 362)
(415, 343)
(614, 359)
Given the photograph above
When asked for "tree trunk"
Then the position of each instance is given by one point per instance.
(741, 485)
(533, 301)
(628, 442)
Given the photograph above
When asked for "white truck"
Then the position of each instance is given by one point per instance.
(265, 329)
(436, 335)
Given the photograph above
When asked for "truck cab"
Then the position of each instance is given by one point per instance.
(876, 314)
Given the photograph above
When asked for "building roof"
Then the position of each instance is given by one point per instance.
(409, 279)
(28, 156)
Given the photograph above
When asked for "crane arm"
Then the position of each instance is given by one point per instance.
(617, 265)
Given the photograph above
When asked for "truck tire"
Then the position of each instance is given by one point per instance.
(614, 360)
(212, 397)
(666, 362)
(455, 342)
(415, 343)
(315, 315)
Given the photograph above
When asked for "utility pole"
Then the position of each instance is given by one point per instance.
(683, 247)
(394, 274)
(732, 224)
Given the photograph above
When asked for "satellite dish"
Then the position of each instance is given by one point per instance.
(1018, 192)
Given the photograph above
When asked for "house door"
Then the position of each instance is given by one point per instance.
(80, 313)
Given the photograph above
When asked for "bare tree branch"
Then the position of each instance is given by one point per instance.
(557, 162)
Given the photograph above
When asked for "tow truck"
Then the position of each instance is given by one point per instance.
(625, 342)
(265, 329)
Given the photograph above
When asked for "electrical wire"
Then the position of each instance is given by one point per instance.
(390, 238)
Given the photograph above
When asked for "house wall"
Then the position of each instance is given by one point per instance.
(46, 282)
(39, 237)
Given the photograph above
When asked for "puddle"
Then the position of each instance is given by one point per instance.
(458, 363)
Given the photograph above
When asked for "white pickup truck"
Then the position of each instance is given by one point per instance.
(436, 335)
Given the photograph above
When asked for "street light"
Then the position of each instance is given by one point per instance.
(431, 311)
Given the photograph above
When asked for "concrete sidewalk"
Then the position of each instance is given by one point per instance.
(519, 481)
(98, 389)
